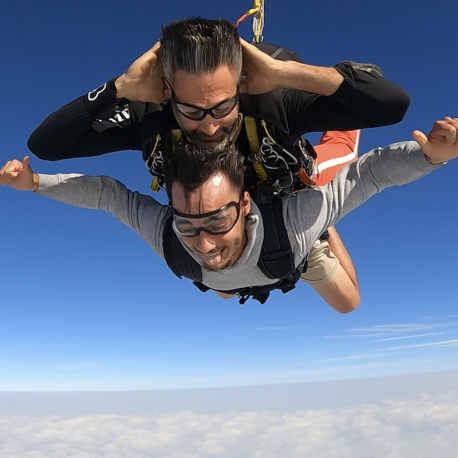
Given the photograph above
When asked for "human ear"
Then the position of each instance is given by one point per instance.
(246, 202)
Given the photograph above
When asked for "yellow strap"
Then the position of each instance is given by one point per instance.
(176, 134)
(153, 151)
(260, 171)
(252, 134)
(155, 185)
(267, 132)
(253, 140)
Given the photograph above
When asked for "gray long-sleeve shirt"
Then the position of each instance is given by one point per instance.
(307, 214)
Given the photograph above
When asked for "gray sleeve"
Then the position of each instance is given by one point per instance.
(141, 213)
(309, 213)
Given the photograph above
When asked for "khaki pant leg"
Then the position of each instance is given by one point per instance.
(322, 265)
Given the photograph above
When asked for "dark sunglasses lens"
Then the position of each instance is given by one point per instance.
(217, 112)
(190, 112)
(223, 110)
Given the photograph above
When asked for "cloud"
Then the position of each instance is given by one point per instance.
(410, 337)
(352, 357)
(419, 427)
(443, 343)
(387, 329)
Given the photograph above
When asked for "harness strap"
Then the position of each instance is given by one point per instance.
(155, 185)
(180, 262)
(253, 141)
(176, 134)
(276, 260)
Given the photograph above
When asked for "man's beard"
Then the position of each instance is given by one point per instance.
(218, 142)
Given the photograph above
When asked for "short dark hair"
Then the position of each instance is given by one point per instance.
(192, 166)
(196, 45)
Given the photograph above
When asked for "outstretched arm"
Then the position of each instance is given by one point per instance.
(441, 144)
(395, 165)
(342, 294)
(141, 213)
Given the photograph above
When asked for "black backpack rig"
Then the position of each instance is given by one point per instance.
(279, 171)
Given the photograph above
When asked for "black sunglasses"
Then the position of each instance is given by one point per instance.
(197, 114)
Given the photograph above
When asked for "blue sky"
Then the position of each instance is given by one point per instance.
(86, 305)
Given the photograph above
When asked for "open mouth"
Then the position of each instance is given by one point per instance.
(213, 259)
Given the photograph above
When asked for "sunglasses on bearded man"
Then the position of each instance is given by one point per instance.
(219, 111)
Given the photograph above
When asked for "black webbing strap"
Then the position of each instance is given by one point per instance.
(178, 259)
(276, 259)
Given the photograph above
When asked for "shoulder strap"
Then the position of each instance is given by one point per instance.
(178, 259)
(276, 259)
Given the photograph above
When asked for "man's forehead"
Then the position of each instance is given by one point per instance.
(223, 80)
(212, 195)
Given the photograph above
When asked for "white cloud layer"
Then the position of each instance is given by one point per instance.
(389, 329)
(423, 427)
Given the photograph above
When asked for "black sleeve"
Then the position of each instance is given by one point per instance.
(362, 100)
(94, 124)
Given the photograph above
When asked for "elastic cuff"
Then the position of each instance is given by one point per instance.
(347, 89)
(46, 181)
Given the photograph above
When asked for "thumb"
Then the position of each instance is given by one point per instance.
(26, 164)
(156, 47)
(420, 138)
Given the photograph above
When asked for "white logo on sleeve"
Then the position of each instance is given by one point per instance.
(96, 92)
(121, 116)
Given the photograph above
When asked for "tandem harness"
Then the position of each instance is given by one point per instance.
(281, 167)
(274, 169)
(276, 260)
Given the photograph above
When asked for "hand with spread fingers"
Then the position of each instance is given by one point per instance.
(19, 175)
(441, 144)
(144, 80)
(259, 70)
